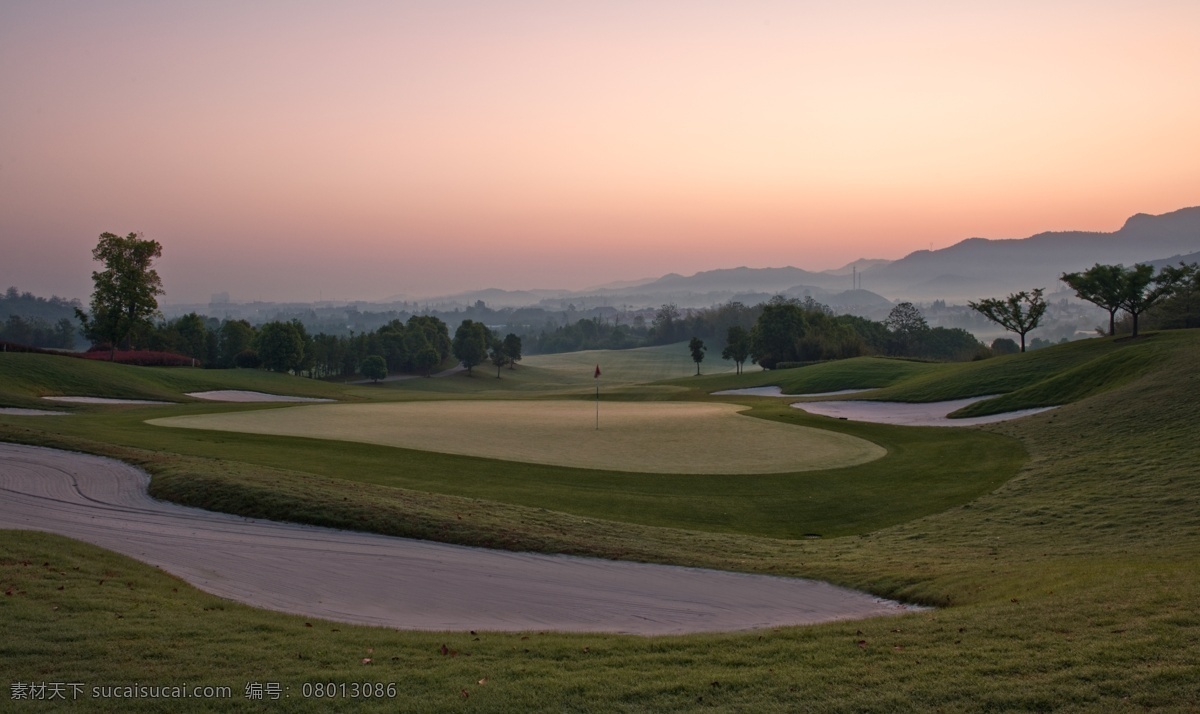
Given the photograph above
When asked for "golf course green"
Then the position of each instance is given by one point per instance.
(649, 437)
(1062, 550)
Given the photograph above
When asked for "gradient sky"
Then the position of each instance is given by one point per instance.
(360, 150)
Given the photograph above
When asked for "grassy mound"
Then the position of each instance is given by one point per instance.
(25, 378)
(1047, 377)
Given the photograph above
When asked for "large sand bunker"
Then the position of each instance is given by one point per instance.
(650, 437)
(104, 400)
(909, 414)
(396, 582)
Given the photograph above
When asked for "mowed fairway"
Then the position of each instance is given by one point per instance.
(646, 437)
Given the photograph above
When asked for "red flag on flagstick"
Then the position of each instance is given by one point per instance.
(597, 375)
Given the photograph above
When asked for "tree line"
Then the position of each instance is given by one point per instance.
(1171, 298)
(27, 319)
(779, 332)
(416, 346)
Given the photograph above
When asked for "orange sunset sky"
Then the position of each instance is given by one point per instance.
(360, 150)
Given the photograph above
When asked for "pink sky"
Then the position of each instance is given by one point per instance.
(359, 150)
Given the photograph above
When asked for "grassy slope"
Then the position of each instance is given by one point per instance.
(1046, 377)
(941, 469)
(1073, 587)
(25, 378)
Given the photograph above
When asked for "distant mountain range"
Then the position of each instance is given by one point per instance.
(978, 267)
(970, 269)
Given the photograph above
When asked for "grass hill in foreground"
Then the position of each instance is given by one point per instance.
(1070, 587)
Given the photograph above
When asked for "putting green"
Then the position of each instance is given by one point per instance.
(650, 437)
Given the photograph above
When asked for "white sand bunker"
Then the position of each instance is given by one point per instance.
(239, 395)
(16, 411)
(645, 437)
(928, 414)
(103, 400)
(396, 582)
(778, 392)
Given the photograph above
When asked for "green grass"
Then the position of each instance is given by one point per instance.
(857, 373)
(25, 378)
(624, 374)
(1046, 377)
(640, 437)
(1070, 586)
(925, 471)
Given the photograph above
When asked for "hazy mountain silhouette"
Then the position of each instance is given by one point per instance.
(978, 267)
(971, 269)
(743, 278)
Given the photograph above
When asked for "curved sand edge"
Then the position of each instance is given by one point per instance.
(104, 400)
(909, 414)
(396, 582)
(17, 411)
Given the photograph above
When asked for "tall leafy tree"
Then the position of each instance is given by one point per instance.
(1143, 289)
(190, 336)
(436, 332)
(781, 325)
(697, 348)
(907, 327)
(666, 323)
(512, 348)
(1019, 312)
(1182, 308)
(498, 356)
(374, 368)
(395, 352)
(737, 346)
(126, 291)
(280, 347)
(471, 341)
(236, 337)
(1102, 285)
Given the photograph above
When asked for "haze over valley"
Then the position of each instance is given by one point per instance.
(303, 154)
